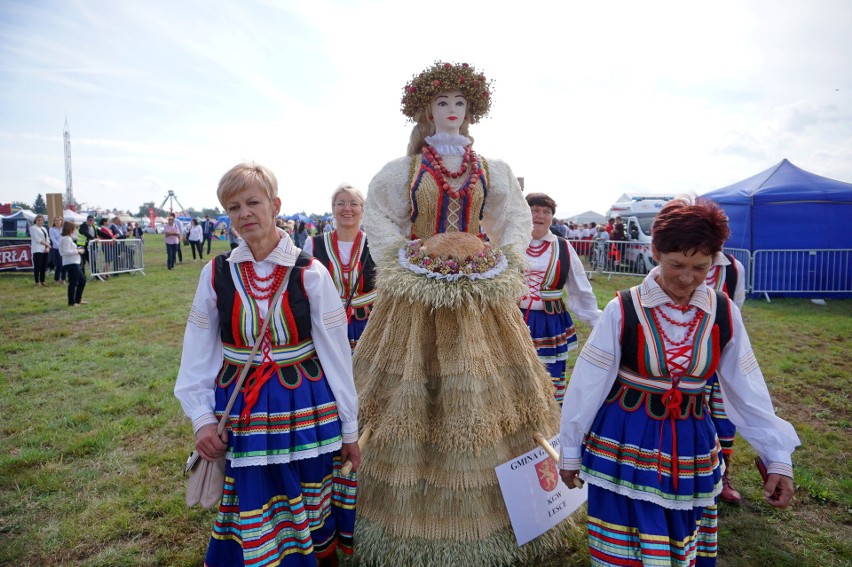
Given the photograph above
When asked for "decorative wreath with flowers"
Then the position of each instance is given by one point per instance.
(482, 265)
(442, 77)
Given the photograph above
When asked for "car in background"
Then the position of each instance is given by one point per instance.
(157, 229)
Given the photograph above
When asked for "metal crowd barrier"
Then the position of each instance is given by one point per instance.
(116, 257)
(744, 256)
(801, 272)
(624, 257)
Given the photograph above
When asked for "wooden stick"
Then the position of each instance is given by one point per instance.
(362, 442)
(539, 438)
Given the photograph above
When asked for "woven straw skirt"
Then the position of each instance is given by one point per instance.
(450, 385)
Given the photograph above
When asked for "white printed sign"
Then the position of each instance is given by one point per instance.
(535, 496)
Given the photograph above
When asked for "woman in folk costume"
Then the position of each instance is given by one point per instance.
(345, 253)
(551, 268)
(634, 422)
(728, 276)
(448, 378)
(295, 420)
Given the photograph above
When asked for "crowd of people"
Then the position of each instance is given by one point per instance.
(435, 318)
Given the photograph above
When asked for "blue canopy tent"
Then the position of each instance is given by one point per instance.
(788, 208)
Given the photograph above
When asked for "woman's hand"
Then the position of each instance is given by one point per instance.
(569, 477)
(209, 445)
(351, 452)
(778, 490)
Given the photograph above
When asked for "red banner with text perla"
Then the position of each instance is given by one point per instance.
(17, 256)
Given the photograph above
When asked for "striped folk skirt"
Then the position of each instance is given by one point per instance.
(554, 337)
(638, 513)
(726, 430)
(285, 501)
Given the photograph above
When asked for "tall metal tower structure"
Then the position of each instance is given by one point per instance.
(69, 187)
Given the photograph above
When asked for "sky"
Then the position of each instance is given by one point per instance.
(590, 99)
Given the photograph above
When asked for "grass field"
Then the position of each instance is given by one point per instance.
(92, 441)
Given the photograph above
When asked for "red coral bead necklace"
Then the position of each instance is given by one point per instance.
(539, 249)
(440, 171)
(261, 287)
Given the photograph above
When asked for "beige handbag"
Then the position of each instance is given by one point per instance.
(206, 479)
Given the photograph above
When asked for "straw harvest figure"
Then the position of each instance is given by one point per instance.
(449, 381)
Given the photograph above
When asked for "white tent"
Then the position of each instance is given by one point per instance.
(73, 216)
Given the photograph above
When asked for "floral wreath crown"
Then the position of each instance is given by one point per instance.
(442, 77)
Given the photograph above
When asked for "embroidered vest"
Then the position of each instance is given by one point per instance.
(367, 276)
(434, 211)
(292, 323)
(643, 375)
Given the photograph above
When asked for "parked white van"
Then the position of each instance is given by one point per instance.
(638, 216)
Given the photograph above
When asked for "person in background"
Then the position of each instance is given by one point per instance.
(728, 276)
(138, 232)
(301, 234)
(86, 234)
(208, 228)
(345, 253)
(196, 238)
(618, 237)
(39, 249)
(55, 232)
(233, 237)
(107, 237)
(295, 422)
(183, 230)
(117, 228)
(552, 269)
(71, 260)
(634, 423)
(172, 234)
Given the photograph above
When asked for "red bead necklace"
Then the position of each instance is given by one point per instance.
(354, 260)
(690, 325)
(538, 250)
(259, 287)
(440, 171)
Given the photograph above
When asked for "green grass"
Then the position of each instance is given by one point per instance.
(93, 442)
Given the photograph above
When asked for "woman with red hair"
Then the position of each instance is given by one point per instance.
(634, 423)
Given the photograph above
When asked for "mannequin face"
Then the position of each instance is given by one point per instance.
(542, 218)
(448, 111)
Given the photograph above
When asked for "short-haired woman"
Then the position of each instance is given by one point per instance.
(296, 420)
(553, 271)
(634, 424)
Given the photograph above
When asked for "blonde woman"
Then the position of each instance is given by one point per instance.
(345, 253)
(296, 420)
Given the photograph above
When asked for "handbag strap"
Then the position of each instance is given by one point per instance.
(254, 349)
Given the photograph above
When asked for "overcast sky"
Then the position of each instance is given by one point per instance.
(591, 99)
